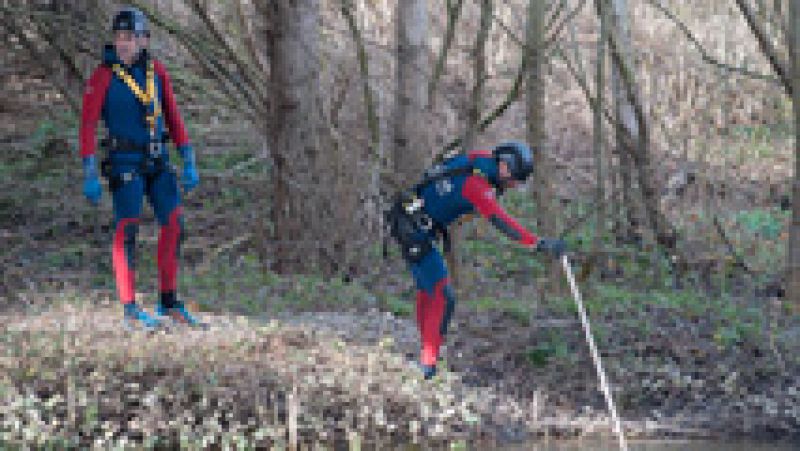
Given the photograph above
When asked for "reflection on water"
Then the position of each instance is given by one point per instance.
(657, 446)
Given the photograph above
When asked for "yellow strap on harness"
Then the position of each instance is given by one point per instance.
(145, 97)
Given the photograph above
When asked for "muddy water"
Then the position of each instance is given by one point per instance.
(657, 446)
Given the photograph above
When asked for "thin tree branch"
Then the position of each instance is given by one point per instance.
(206, 56)
(249, 40)
(780, 67)
(549, 43)
(17, 30)
(731, 249)
(584, 85)
(453, 14)
(557, 12)
(511, 97)
(704, 53)
(566, 20)
(45, 30)
(245, 68)
(516, 88)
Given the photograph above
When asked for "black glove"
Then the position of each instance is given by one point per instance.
(552, 246)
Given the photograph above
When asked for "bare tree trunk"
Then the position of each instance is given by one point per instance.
(411, 153)
(294, 135)
(541, 189)
(636, 145)
(376, 151)
(794, 234)
(476, 101)
(623, 112)
(473, 122)
(598, 128)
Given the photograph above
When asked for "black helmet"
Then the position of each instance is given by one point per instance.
(518, 156)
(131, 19)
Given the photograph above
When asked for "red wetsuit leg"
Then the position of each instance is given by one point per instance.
(123, 258)
(168, 247)
(432, 324)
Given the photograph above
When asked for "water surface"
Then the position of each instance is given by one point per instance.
(660, 445)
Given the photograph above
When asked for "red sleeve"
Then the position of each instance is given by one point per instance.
(93, 97)
(177, 131)
(473, 154)
(479, 192)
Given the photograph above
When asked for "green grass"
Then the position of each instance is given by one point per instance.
(61, 125)
(614, 299)
(71, 255)
(767, 223)
(605, 298)
(762, 133)
(760, 237)
(245, 285)
(552, 347)
(222, 162)
(499, 258)
(399, 307)
(518, 309)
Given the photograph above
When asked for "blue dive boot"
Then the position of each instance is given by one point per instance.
(168, 307)
(428, 371)
(136, 318)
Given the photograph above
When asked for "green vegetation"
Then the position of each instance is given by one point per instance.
(764, 223)
(762, 133)
(519, 310)
(219, 162)
(552, 347)
(244, 285)
(399, 306)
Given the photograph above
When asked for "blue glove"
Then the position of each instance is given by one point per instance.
(552, 246)
(91, 183)
(190, 178)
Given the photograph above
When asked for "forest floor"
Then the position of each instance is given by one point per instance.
(71, 374)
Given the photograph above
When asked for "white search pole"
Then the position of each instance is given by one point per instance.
(595, 355)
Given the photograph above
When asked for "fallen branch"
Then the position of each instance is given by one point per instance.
(207, 260)
(731, 249)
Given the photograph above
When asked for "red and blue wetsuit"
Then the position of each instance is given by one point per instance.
(444, 201)
(108, 97)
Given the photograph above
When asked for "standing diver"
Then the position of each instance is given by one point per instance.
(132, 93)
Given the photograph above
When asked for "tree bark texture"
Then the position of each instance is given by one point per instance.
(470, 136)
(541, 189)
(411, 153)
(598, 127)
(293, 128)
(623, 112)
(794, 234)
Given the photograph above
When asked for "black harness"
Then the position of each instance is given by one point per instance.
(408, 222)
(152, 164)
